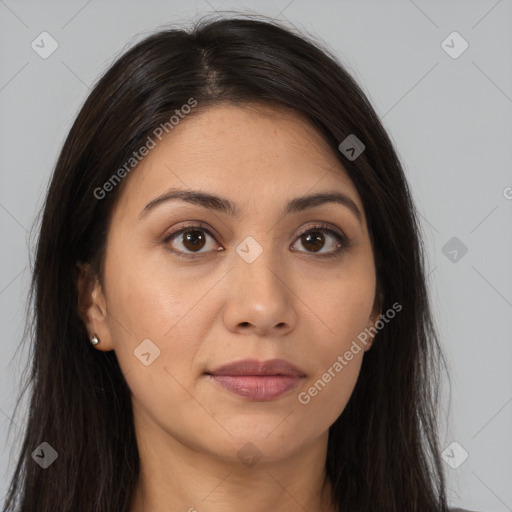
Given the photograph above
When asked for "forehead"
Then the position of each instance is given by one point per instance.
(245, 152)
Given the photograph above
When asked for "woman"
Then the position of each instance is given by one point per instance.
(229, 293)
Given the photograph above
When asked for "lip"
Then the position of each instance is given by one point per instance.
(258, 380)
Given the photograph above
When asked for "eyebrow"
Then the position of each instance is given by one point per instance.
(223, 205)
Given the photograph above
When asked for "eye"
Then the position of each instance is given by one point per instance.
(314, 240)
(192, 237)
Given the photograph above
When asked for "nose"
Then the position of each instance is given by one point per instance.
(260, 297)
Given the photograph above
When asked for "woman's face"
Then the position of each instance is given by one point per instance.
(176, 307)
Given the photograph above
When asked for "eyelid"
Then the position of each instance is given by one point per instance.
(190, 225)
(320, 225)
(344, 242)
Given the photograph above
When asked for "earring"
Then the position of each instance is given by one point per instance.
(95, 340)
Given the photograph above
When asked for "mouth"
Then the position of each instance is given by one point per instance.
(258, 380)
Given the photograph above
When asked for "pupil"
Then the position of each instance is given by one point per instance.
(193, 237)
(316, 239)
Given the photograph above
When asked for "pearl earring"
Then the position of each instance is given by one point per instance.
(95, 340)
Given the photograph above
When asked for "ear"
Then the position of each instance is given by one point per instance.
(372, 320)
(92, 306)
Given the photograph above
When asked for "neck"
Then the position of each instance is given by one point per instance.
(178, 478)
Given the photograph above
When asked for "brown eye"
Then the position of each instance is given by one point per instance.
(313, 241)
(318, 237)
(194, 239)
(189, 241)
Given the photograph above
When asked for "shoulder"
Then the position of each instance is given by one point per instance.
(460, 510)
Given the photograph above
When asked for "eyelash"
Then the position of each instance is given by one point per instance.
(342, 239)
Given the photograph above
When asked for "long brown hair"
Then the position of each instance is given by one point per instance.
(383, 451)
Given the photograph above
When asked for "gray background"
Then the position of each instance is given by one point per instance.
(450, 121)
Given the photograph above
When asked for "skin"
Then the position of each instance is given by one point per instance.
(217, 308)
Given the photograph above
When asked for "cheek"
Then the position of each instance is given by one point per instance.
(145, 305)
(343, 305)
(326, 397)
(142, 295)
(338, 355)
